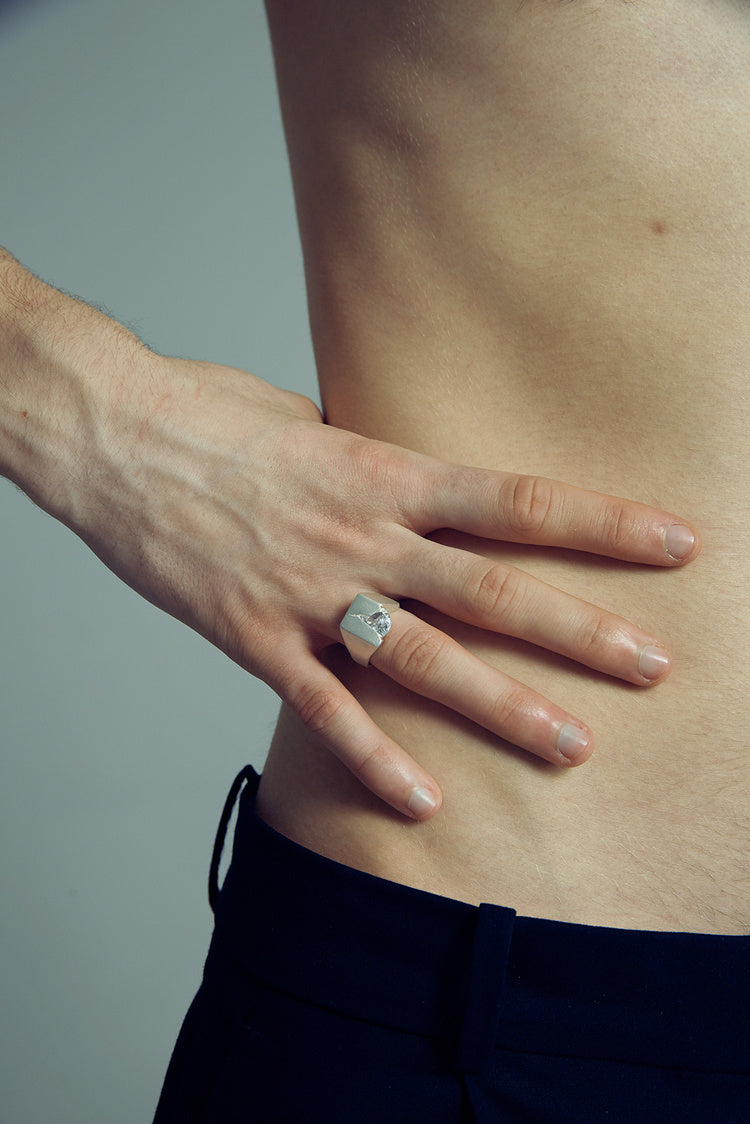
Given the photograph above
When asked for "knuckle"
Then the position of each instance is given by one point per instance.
(593, 635)
(387, 478)
(317, 708)
(495, 593)
(416, 654)
(376, 465)
(530, 504)
(510, 708)
(370, 763)
(616, 528)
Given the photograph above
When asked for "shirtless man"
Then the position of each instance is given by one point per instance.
(528, 250)
(527, 245)
(527, 241)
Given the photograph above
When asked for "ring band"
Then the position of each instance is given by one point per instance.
(365, 623)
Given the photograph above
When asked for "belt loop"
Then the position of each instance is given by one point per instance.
(247, 774)
(487, 972)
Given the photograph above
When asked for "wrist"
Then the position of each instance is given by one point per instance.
(59, 361)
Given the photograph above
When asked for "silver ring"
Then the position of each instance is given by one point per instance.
(365, 623)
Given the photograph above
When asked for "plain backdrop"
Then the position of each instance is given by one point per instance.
(142, 166)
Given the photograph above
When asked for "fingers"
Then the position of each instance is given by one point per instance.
(432, 664)
(324, 705)
(500, 598)
(532, 509)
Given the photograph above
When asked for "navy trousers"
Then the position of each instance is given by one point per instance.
(331, 995)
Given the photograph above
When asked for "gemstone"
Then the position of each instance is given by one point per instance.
(380, 621)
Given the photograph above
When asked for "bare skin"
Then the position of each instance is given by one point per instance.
(527, 239)
(231, 505)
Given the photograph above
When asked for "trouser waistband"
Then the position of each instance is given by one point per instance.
(477, 977)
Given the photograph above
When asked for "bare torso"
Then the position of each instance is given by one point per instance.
(527, 236)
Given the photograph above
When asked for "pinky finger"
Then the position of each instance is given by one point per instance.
(330, 712)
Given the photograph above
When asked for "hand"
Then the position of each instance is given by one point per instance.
(230, 504)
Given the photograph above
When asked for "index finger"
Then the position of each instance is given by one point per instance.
(534, 510)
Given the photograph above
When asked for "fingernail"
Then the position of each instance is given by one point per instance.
(571, 740)
(421, 802)
(653, 662)
(678, 541)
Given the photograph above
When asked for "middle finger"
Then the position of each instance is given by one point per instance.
(500, 598)
(426, 661)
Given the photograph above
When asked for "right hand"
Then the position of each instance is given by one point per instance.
(232, 506)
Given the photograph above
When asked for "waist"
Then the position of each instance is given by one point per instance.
(652, 832)
(556, 282)
(366, 947)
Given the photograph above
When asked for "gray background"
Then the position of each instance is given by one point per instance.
(142, 165)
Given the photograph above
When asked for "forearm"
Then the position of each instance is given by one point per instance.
(62, 369)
